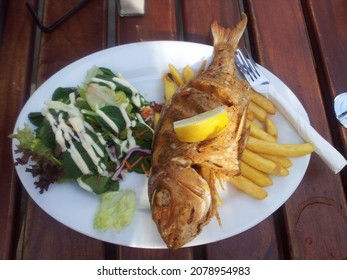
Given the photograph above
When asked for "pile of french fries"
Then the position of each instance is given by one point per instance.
(263, 156)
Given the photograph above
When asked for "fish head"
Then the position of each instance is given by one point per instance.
(180, 203)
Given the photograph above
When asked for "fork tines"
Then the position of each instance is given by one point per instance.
(246, 65)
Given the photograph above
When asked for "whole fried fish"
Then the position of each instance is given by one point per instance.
(182, 192)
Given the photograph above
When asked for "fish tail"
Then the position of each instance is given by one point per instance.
(228, 36)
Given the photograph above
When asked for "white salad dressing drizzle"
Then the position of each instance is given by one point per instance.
(98, 134)
(135, 97)
(101, 139)
(92, 148)
(131, 141)
(125, 116)
(141, 120)
(78, 159)
(65, 131)
(107, 119)
(84, 185)
(108, 83)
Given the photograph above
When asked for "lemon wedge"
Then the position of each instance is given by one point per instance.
(202, 127)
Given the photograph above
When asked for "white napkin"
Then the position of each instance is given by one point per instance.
(323, 148)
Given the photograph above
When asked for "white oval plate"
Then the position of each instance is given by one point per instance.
(143, 65)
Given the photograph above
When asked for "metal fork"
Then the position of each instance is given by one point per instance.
(250, 69)
(260, 83)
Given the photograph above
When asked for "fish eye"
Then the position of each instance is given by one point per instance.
(162, 198)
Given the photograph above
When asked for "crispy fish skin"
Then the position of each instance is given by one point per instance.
(183, 199)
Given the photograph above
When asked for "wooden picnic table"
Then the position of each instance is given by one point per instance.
(303, 42)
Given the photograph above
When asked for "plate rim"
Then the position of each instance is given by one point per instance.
(109, 51)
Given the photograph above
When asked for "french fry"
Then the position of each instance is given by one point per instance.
(270, 127)
(259, 113)
(263, 156)
(247, 186)
(169, 86)
(263, 102)
(176, 75)
(188, 73)
(257, 132)
(263, 164)
(283, 161)
(256, 176)
(257, 124)
(250, 115)
(276, 149)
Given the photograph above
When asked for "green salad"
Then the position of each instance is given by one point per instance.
(90, 134)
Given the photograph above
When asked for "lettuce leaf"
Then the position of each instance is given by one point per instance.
(116, 211)
(99, 184)
(52, 162)
(44, 164)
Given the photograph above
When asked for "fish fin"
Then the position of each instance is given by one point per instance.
(210, 177)
(214, 196)
(228, 36)
(242, 134)
(243, 141)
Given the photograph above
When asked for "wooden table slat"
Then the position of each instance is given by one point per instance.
(15, 75)
(227, 13)
(303, 42)
(330, 41)
(257, 243)
(80, 35)
(153, 26)
(306, 223)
